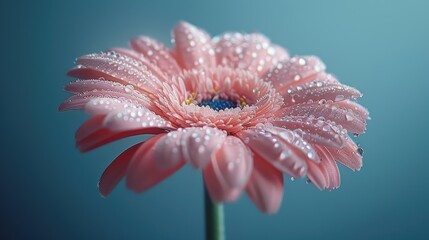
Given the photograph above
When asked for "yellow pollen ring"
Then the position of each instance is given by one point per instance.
(243, 103)
(190, 99)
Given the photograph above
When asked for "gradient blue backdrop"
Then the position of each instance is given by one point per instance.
(48, 189)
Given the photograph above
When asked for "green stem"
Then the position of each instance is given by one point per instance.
(215, 229)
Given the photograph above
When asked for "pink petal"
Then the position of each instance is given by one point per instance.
(104, 106)
(341, 113)
(358, 110)
(80, 86)
(168, 150)
(304, 149)
(298, 69)
(315, 130)
(193, 47)
(265, 186)
(89, 127)
(104, 136)
(252, 52)
(276, 150)
(133, 118)
(143, 172)
(317, 175)
(82, 72)
(200, 144)
(117, 68)
(218, 190)
(80, 100)
(233, 163)
(348, 155)
(116, 170)
(330, 168)
(144, 61)
(323, 88)
(157, 53)
(194, 145)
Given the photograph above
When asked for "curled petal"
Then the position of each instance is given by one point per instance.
(329, 167)
(122, 120)
(284, 155)
(89, 127)
(157, 53)
(316, 175)
(193, 46)
(194, 145)
(252, 52)
(323, 88)
(154, 69)
(104, 106)
(79, 101)
(168, 150)
(348, 155)
(265, 186)
(143, 172)
(81, 86)
(298, 69)
(348, 115)
(315, 130)
(104, 136)
(134, 118)
(200, 144)
(116, 170)
(306, 151)
(218, 191)
(116, 67)
(233, 163)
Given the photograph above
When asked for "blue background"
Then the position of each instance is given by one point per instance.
(48, 189)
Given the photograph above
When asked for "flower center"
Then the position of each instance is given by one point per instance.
(218, 104)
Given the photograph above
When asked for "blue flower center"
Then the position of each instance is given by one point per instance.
(218, 104)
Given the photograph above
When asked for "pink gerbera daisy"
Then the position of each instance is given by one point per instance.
(235, 106)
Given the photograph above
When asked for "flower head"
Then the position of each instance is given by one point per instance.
(235, 106)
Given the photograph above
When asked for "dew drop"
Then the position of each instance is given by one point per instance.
(339, 98)
(349, 116)
(231, 166)
(129, 88)
(284, 155)
(201, 149)
(271, 51)
(360, 151)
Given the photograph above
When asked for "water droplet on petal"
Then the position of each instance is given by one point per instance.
(201, 149)
(231, 166)
(297, 77)
(284, 155)
(360, 151)
(339, 98)
(350, 116)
